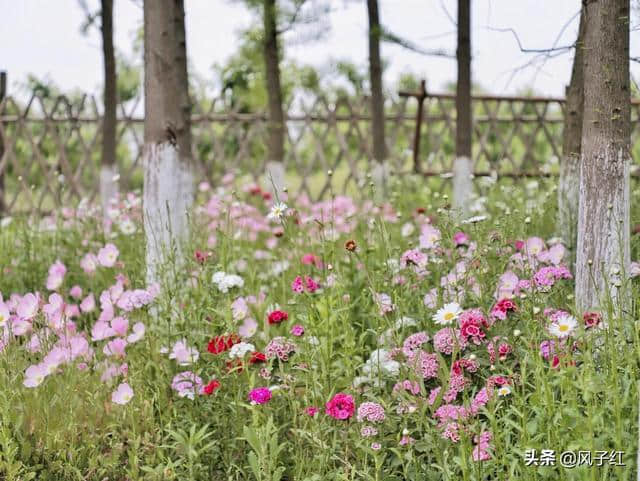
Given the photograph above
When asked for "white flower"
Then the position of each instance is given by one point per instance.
(5, 221)
(127, 227)
(277, 211)
(379, 363)
(564, 326)
(504, 390)
(474, 220)
(241, 349)
(407, 229)
(447, 314)
(405, 322)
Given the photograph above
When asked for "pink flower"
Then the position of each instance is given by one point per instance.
(115, 348)
(370, 411)
(88, 304)
(311, 285)
(137, 334)
(460, 239)
(297, 330)
(311, 411)
(34, 375)
(123, 394)
(27, 307)
(187, 384)
(425, 364)
(183, 354)
(108, 255)
(120, 325)
(385, 305)
(76, 292)
(260, 395)
(56, 275)
(297, 285)
(280, 347)
(89, 263)
(413, 342)
(448, 339)
(481, 450)
(479, 401)
(368, 431)
(341, 406)
(407, 385)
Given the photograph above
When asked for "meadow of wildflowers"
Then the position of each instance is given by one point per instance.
(339, 340)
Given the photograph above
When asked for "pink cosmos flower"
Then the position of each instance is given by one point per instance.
(341, 406)
(183, 354)
(120, 325)
(123, 394)
(108, 255)
(260, 395)
(88, 304)
(34, 375)
(137, 334)
(27, 307)
(115, 348)
(89, 263)
(56, 275)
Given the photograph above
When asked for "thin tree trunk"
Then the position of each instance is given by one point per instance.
(603, 214)
(569, 181)
(168, 179)
(276, 124)
(380, 170)
(108, 169)
(3, 168)
(462, 166)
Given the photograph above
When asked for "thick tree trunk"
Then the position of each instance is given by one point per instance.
(168, 179)
(108, 170)
(568, 183)
(276, 124)
(603, 214)
(380, 170)
(462, 166)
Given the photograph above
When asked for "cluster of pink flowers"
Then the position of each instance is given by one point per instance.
(187, 384)
(414, 342)
(546, 277)
(370, 411)
(260, 395)
(407, 385)
(448, 339)
(471, 323)
(280, 348)
(482, 446)
(299, 285)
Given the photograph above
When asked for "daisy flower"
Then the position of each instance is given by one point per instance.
(504, 391)
(447, 314)
(277, 211)
(564, 326)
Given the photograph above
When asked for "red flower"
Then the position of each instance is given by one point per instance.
(276, 317)
(591, 319)
(222, 343)
(257, 356)
(211, 387)
(201, 257)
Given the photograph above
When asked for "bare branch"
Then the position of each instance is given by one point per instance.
(531, 50)
(449, 16)
(391, 37)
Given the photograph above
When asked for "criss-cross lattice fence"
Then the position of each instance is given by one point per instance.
(50, 147)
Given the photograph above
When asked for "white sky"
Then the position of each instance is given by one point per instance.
(43, 37)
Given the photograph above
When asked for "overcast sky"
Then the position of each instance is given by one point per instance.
(43, 37)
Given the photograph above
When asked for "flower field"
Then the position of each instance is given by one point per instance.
(342, 340)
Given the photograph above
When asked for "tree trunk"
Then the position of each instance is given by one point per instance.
(108, 169)
(569, 180)
(603, 214)
(276, 125)
(3, 167)
(380, 170)
(168, 180)
(462, 166)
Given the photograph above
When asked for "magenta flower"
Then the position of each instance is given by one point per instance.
(260, 395)
(297, 330)
(341, 406)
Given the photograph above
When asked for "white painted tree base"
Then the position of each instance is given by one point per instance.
(108, 191)
(462, 185)
(603, 249)
(167, 199)
(275, 178)
(380, 178)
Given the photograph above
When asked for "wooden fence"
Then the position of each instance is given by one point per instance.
(50, 147)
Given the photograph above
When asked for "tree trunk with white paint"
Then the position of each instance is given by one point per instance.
(168, 179)
(569, 180)
(380, 171)
(603, 214)
(275, 172)
(108, 171)
(462, 165)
